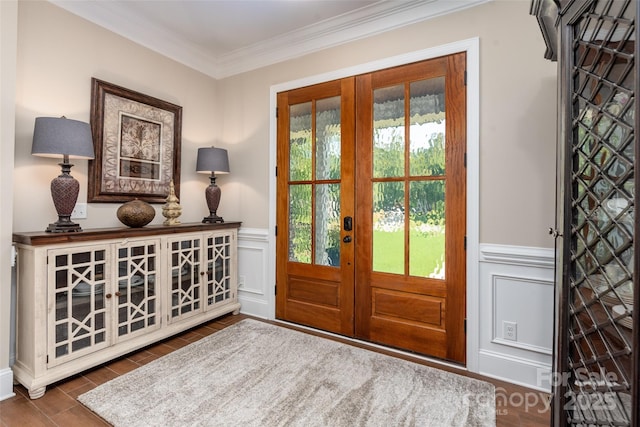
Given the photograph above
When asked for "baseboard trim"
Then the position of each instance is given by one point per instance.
(257, 307)
(516, 370)
(6, 383)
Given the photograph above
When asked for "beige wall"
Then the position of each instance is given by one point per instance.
(517, 116)
(58, 53)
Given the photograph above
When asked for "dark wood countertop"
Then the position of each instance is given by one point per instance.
(39, 238)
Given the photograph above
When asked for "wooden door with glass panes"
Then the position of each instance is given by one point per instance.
(81, 312)
(372, 206)
(315, 208)
(411, 207)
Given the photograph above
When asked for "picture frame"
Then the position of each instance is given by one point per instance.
(137, 143)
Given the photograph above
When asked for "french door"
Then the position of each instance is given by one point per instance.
(371, 207)
(316, 196)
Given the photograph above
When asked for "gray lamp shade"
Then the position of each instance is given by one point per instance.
(211, 159)
(56, 136)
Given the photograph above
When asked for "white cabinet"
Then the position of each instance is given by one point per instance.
(85, 298)
(202, 271)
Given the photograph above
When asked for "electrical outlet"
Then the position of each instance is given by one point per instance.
(509, 330)
(79, 211)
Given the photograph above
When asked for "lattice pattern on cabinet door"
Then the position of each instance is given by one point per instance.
(218, 278)
(602, 205)
(185, 281)
(136, 293)
(78, 279)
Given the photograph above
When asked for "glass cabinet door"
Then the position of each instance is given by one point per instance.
(597, 345)
(136, 295)
(185, 292)
(218, 277)
(78, 288)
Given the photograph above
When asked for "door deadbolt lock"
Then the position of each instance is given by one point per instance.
(347, 223)
(347, 239)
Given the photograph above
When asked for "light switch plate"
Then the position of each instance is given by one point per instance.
(79, 211)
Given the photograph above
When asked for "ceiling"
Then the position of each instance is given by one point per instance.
(226, 37)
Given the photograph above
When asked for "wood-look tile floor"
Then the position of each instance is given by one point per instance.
(516, 406)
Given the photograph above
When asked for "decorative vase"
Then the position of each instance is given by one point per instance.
(171, 210)
(136, 213)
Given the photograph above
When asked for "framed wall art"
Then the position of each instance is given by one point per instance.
(137, 141)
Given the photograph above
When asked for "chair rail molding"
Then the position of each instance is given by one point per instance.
(518, 255)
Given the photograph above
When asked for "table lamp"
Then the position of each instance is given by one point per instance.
(55, 137)
(212, 160)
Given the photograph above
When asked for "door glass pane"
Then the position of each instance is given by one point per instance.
(388, 227)
(328, 138)
(427, 229)
(427, 129)
(300, 223)
(388, 132)
(327, 250)
(300, 142)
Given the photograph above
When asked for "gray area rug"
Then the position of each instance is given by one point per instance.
(257, 374)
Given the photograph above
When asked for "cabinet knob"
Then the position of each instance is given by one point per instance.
(107, 296)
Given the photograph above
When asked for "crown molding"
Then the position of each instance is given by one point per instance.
(111, 16)
(375, 19)
(366, 22)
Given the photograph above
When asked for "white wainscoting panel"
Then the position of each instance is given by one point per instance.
(253, 259)
(517, 287)
(533, 319)
(6, 383)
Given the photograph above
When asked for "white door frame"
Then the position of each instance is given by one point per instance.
(472, 49)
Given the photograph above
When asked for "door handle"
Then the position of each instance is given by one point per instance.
(347, 223)
(347, 239)
(554, 232)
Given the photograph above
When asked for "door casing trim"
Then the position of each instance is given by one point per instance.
(472, 48)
